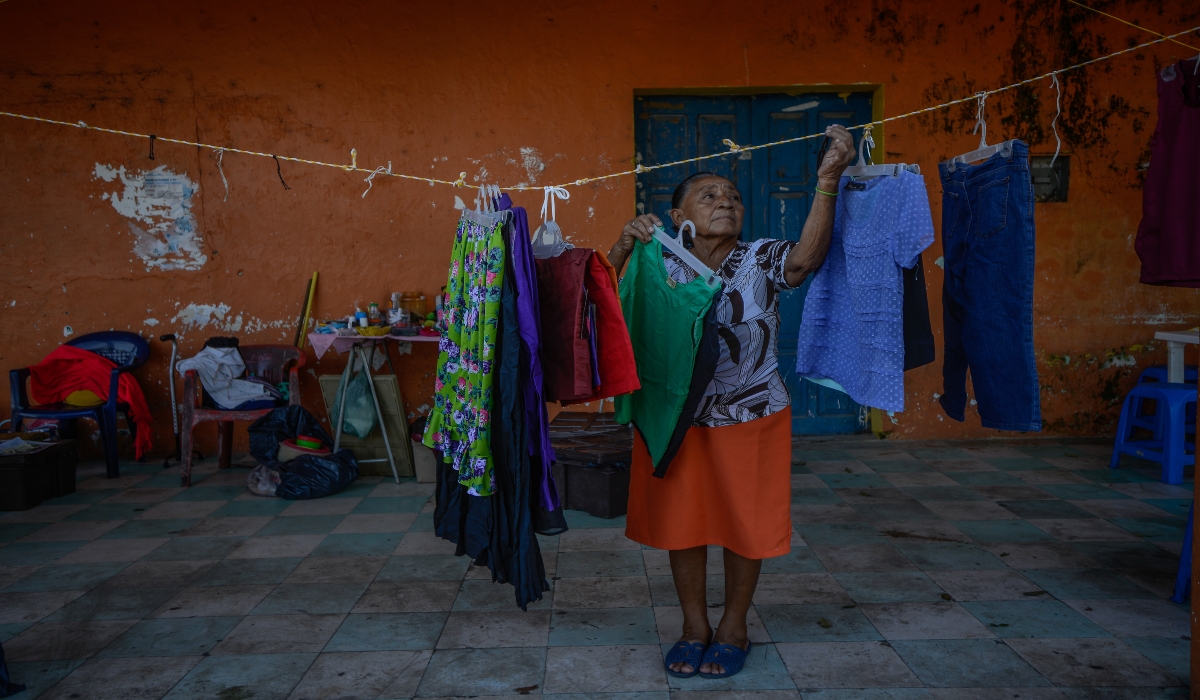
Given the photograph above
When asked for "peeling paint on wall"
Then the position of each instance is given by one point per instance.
(532, 160)
(201, 315)
(158, 204)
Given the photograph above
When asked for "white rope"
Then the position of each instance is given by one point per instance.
(551, 193)
(1057, 111)
(979, 118)
(220, 157)
(370, 179)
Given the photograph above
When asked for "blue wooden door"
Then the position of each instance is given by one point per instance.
(776, 186)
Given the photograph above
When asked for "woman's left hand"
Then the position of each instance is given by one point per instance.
(838, 156)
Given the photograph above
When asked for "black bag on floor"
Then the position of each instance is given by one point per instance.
(307, 476)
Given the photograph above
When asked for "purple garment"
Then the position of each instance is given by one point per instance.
(1166, 240)
(528, 315)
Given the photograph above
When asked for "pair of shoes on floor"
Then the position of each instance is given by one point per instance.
(696, 655)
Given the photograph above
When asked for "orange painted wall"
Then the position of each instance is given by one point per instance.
(532, 92)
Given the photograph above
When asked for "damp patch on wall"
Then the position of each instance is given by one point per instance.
(158, 205)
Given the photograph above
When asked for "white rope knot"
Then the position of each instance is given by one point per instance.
(582, 181)
(639, 169)
(82, 124)
(370, 179)
(733, 147)
(461, 181)
(550, 194)
(353, 160)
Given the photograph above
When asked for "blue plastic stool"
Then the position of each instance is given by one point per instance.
(1169, 446)
(1183, 579)
(1158, 373)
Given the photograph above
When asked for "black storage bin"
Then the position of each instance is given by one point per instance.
(30, 478)
(592, 472)
(600, 491)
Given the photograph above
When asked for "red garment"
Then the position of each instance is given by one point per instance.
(69, 369)
(614, 350)
(566, 352)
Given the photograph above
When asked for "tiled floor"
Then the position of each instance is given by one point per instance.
(918, 571)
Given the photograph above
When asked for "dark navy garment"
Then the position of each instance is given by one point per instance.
(987, 299)
(918, 333)
(7, 686)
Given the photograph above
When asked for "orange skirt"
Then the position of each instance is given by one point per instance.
(729, 486)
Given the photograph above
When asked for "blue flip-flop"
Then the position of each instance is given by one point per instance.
(727, 655)
(685, 653)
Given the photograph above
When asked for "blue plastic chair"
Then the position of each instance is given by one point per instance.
(1183, 579)
(1170, 444)
(1158, 373)
(128, 351)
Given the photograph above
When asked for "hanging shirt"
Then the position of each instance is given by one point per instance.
(746, 384)
(459, 424)
(852, 330)
(614, 370)
(1167, 241)
(566, 353)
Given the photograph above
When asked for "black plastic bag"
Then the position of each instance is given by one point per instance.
(307, 476)
(282, 424)
(313, 476)
(7, 686)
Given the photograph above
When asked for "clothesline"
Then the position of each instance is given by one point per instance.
(734, 148)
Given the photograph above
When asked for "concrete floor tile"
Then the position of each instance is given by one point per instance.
(1049, 476)
(970, 510)
(885, 512)
(129, 549)
(1143, 556)
(145, 529)
(944, 620)
(890, 587)
(191, 548)
(109, 603)
(1084, 492)
(301, 525)
(839, 534)
(817, 623)
(210, 491)
(968, 663)
(246, 572)
(311, 599)
(412, 596)
(495, 629)
(64, 640)
(966, 464)
(948, 555)
(868, 694)
(1085, 584)
(510, 671)
(864, 479)
(929, 478)
(213, 601)
(657, 562)
(1084, 530)
(1002, 584)
(12, 574)
(374, 522)
(160, 574)
(603, 626)
(1047, 555)
(262, 677)
(799, 589)
(863, 558)
(1047, 510)
(899, 532)
(40, 676)
(401, 504)
(985, 478)
(337, 570)
(942, 494)
(987, 531)
(277, 546)
(170, 637)
(845, 665)
(44, 513)
(1012, 619)
(600, 563)
(140, 495)
(226, 527)
(807, 481)
(71, 530)
(764, 671)
(600, 592)
(180, 509)
(1154, 529)
(120, 512)
(32, 606)
(874, 495)
(377, 544)
(1136, 618)
(996, 694)
(279, 634)
(801, 560)
(1091, 662)
(604, 669)
(321, 506)
(814, 496)
(66, 577)
(835, 466)
(1173, 654)
(255, 508)
(480, 595)
(11, 532)
(595, 539)
(1023, 492)
(424, 567)
(123, 679)
(390, 489)
(364, 674)
(423, 543)
(669, 622)
(388, 632)
(836, 512)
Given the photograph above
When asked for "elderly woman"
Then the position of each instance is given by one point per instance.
(730, 482)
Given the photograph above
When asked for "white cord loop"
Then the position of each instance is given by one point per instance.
(551, 193)
(220, 157)
(370, 178)
(1057, 111)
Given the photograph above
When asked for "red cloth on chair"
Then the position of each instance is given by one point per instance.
(69, 369)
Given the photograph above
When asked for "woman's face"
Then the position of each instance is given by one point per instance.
(714, 205)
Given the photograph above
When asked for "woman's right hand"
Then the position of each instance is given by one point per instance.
(638, 229)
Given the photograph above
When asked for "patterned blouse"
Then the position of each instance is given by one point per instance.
(747, 384)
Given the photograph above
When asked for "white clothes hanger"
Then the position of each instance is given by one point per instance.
(864, 170)
(984, 151)
(675, 245)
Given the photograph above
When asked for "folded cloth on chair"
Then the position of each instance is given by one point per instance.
(69, 369)
(219, 370)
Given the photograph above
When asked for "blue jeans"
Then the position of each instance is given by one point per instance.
(988, 238)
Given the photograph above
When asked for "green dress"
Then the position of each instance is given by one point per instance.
(666, 322)
(460, 422)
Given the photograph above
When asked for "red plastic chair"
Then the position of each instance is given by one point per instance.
(267, 362)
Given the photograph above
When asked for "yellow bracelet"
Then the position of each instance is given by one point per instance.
(821, 191)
